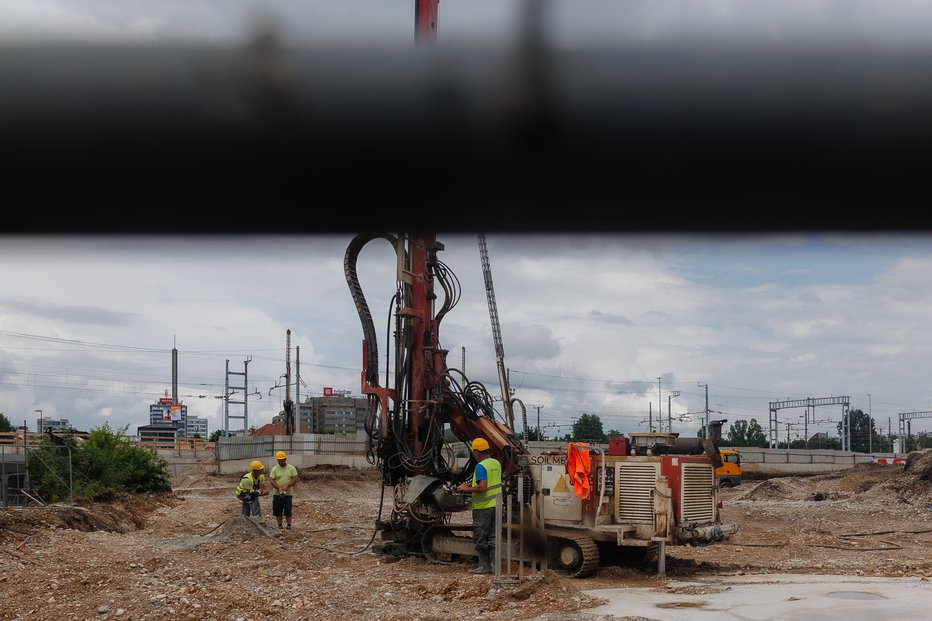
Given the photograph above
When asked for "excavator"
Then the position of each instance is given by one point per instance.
(615, 505)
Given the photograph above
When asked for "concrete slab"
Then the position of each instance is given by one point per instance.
(774, 597)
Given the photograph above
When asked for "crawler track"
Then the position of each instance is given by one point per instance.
(572, 554)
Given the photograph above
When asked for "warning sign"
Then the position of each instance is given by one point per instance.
(561, 487)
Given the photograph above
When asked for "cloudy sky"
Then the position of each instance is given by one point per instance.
(589, 324)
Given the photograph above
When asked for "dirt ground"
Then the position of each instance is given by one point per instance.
(189, 555)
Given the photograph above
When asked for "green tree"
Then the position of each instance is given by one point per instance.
(104, 463)
(862, 428)
(744, 433)
(5, 424)
(588, 427)
(215, 435)
(822, 441)
(534, 434)
(883, 443)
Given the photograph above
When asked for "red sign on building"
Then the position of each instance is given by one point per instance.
(163, 400)
(328, 391)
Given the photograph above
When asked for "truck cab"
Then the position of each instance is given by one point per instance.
(729, 473)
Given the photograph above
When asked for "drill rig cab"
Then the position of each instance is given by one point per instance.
(634, 504)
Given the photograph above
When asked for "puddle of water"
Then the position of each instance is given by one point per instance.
(682, 605)
(855, 595)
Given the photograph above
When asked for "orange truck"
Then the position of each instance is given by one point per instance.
(729, 473)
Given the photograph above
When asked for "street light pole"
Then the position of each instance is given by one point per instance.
(870, 426)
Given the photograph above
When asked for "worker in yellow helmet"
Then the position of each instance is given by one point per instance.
(486, 489)
(251, 487)
(283, 477)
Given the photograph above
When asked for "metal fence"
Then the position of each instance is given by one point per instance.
(31, 439)
(12, 476)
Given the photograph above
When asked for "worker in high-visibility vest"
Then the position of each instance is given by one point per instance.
(282, 477)
(486, 489)
(250, 488)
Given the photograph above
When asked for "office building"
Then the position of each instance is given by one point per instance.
(332, 413)
(168, 412)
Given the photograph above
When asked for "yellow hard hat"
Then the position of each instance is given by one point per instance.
(280, 455)
(256, 465)
(480, 444)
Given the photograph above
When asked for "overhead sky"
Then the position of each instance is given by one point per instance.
(571, 22)
(589, 323)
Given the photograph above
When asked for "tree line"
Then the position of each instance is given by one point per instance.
(865, 437)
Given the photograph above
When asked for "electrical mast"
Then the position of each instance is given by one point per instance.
(496, 332)
(288, 404)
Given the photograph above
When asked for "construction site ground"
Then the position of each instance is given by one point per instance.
(189, 554)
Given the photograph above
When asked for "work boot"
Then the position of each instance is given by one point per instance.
(484, 567)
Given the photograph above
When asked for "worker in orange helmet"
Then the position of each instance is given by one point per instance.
(283, 477)
(486, 489)
(250, 488)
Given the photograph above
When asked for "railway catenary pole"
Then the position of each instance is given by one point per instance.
(674, 393)
(705, 422)
(659, 408)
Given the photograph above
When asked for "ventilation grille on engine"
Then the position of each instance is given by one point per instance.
(634, 497)
(697, 502)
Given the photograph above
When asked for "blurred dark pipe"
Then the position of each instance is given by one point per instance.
(145, 138)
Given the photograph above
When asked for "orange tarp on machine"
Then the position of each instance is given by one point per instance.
(578, 467)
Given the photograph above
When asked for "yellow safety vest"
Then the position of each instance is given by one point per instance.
(493, 471)
(248, 483)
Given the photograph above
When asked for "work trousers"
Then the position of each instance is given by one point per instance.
(483, 529)
(281, 505)
(251, 506)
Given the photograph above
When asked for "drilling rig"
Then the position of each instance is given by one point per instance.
(632, 504)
